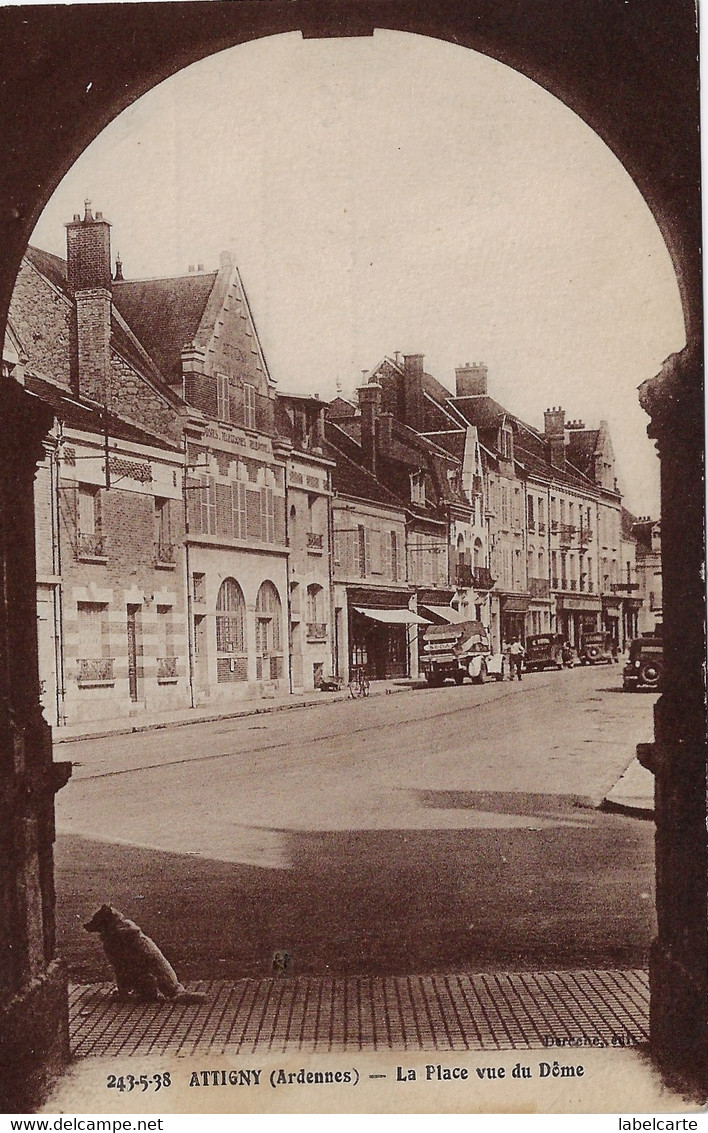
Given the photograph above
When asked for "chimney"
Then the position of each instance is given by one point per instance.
(370, 407)
(413, 405)
(118, 276)
(384, 433)
(471, 381)
(88, 259)
(554, 429)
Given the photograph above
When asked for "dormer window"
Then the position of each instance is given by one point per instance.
(418, 488)
(506, 443)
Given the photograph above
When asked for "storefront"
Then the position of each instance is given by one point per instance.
(575, 616)
(612, 618)
(382, 629)
(514, 608)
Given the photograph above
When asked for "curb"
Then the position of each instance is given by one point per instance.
(332, 698)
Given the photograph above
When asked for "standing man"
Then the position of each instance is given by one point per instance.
(516, 654)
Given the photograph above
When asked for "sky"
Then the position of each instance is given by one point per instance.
(398, 193)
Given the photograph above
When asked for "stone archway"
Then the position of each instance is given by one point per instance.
(629, 70)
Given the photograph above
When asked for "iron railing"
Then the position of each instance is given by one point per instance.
(95, 670)
(90, 546)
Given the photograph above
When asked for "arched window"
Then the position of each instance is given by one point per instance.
(269, 639)
(314, 603)
(231, 662)
(478, 554)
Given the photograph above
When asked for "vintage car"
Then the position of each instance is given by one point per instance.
(645, 666)
(544, 651)
(595, 647)
(460, 650)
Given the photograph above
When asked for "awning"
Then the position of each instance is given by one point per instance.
(514, 603)
(445, 612)
(393, 617)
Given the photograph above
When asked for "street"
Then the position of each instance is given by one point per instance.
(431, 830)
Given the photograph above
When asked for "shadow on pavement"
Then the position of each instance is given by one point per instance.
(567, 894)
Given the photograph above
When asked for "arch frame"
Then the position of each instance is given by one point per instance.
(630, 72)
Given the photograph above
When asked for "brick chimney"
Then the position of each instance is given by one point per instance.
(413, 404)
(88, 260)
(554, 429)
(471, 381)
(370, 407)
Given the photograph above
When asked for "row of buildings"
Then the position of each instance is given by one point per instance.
(203, 538)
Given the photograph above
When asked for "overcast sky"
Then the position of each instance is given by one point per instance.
(398, 193)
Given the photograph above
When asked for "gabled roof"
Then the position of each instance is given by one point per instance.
(165, 314)
(51, 267)
(582, 447)
(80, 414)
(350, 479)
(123, 340)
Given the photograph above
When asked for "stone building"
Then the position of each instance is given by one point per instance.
(309, 525)
(647, 536)
(200, 332)
(108, 495)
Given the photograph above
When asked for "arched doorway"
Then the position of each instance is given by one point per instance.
(647, 114)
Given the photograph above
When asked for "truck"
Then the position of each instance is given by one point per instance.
(459, 650)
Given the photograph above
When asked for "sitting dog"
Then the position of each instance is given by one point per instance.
(139, 965)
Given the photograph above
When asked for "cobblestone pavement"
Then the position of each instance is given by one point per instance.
(502, 1011)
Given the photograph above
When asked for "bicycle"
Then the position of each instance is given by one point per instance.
(358, 684)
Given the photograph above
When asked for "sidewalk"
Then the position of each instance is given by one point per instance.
(146, 721)
(633, 793)
(248, 1030)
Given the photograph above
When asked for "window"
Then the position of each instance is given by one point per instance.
(530, 513)
(316, 619)
(230, 618)
(164, 548)
(362, 546)
(249, 405)
(269, 649)
(418, 488)
(222, 397)
(198, 588)
(95, 666)
(394, 556)
(89, 536)
(506, 444)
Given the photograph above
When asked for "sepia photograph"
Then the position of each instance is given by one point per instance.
(352, 625)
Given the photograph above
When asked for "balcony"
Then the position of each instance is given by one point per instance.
(554, 527)
(315, 541)
(316, 631)
(554, 584)
(539, 588)
(541, 527)
(90, 546)
(482, 578)
(166, 670)
(95, 672)
(585, 536)
(531, 526)
(567, 534)
(165, 556)
(463, 576)
(573, 584)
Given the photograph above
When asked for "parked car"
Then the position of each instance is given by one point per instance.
(645, 666)
(544, 651)
(596, 647)
(460, 650)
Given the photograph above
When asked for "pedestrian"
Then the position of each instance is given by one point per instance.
(516, 655)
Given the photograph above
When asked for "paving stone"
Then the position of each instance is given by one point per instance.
(501, 1011)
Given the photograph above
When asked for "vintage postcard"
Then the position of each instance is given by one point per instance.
(342, 324)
